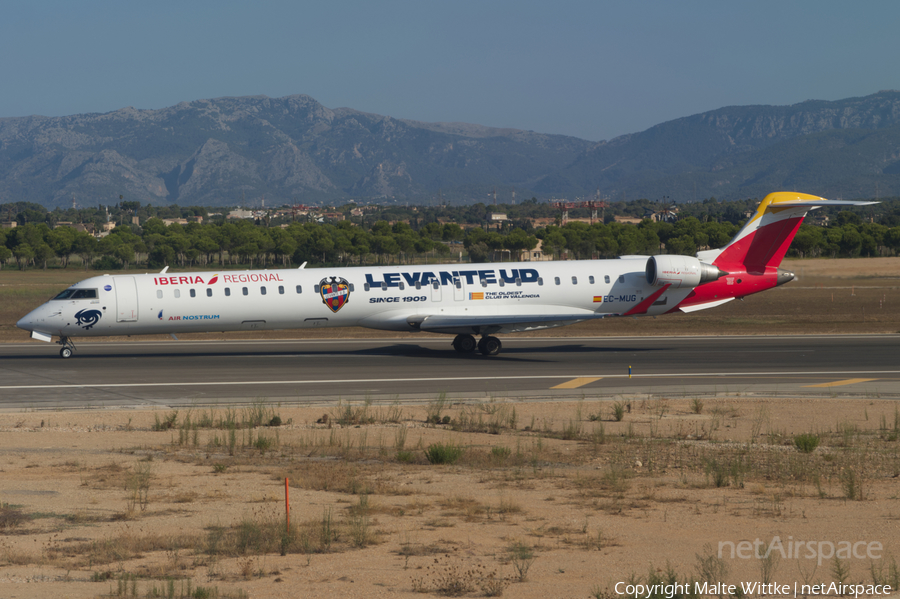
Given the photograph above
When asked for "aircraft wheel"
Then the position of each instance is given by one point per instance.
(65, 352)
(490, 346)
(464, 344)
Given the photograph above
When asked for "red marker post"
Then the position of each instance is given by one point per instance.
(287, 506)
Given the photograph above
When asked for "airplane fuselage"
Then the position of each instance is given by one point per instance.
(395, 298)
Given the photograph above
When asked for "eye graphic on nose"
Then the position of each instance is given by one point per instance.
(88, 318)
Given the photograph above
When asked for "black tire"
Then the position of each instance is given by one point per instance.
(490, 346)
(65, 353)
(464, 344)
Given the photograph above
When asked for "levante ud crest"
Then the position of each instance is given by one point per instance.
(335, 292)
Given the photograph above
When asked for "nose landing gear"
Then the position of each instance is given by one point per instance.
(67, 347)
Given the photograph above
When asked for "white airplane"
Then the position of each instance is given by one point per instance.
(458, 299)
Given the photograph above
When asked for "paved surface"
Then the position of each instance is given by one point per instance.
(179, 373)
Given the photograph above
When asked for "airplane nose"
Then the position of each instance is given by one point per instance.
(26, 323)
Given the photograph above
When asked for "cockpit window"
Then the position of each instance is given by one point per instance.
(77, 294)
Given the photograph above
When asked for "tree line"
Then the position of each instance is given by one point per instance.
(255, 245)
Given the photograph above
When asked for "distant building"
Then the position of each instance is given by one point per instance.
(668, 215)
(175, 221)
(633, 220)
(819, 220)
(240, 214)
(535, 255)
(497, 216)
(9, 224)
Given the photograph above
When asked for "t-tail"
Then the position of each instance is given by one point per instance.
(752, 259)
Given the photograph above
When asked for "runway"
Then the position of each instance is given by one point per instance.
(185, 373)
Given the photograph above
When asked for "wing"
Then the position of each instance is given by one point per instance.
(490, 324)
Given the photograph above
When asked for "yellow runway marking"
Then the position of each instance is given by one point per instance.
(575, 383)
(841, 383)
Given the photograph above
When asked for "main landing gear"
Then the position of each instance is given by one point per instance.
(488, 346)
(67, 347)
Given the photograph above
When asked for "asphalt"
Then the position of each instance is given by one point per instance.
(182, 373)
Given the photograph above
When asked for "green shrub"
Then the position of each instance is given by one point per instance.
(440, 453)
(806, 442)
(499, 453)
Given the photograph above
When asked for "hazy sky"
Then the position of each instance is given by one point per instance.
(592, 69)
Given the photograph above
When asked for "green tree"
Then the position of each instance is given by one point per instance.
(85, 245)
(24, 255)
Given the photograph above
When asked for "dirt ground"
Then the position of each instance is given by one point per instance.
(563, 501)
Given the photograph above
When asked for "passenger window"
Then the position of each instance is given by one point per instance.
(556, 280)
(518, 282)
(402, 286)
(350, 286)
(299, 289)
(384, 285)
(574, 280)
(436, 284)
(458, 283)
(591, 279)
(502, 283)
(621, 278)
(262, 290)
(245, 291)
(540, 281)
(316, 288)
(208, 292)
(366, 286)
(483, 283)
(178, 293)
(193, 292)
(159, 294)
(606, 279)
(281, 290)
(418, 285)
(228, 292)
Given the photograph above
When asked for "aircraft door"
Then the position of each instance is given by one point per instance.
(459, 290)
(126, 299)
(435, 291)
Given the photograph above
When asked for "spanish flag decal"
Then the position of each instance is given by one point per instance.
(598, 299)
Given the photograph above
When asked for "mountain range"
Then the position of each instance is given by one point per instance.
(231, 151)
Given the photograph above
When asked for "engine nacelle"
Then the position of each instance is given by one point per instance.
(680, 271)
